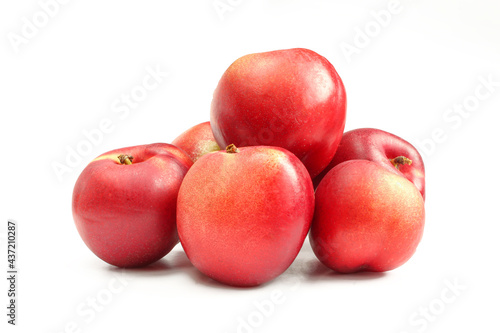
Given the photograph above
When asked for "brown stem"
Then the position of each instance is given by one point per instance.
(400, 160)
(125, 159)
(231, 149)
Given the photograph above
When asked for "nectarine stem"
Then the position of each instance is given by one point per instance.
(231, 149)
(125, 159)
(400, 160)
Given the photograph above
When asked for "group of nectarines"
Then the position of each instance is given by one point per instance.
(242, 191)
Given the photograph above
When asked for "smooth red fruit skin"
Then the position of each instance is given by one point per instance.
(243, 217)
(380, 147)
(288, 98)
(125, 214)
(197, 141)
(366, 218)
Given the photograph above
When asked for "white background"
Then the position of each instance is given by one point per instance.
(68, 76)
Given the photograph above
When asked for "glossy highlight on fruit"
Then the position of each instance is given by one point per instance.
(292, 99)
(124, 203)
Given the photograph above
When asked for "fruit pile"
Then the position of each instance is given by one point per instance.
(285, 169)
